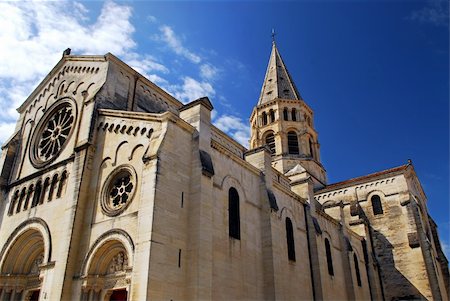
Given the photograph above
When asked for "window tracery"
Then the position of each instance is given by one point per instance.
(52, 133)
(118, 190)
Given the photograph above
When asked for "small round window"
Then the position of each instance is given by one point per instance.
(118, 190)
(52, 133)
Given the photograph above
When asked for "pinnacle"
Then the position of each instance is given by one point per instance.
(277, 82)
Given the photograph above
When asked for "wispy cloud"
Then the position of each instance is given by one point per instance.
(235, 127)
(34, 34)
(191, 89)
(435, 12)
(175, 44)
(209, 72)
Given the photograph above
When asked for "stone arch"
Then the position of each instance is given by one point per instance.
(107, 245)
(229, 181)
(381, 201)
(27, 237)
(288, 212)
(22, 258)
(107, 267)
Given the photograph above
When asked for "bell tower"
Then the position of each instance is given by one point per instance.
(284, 122)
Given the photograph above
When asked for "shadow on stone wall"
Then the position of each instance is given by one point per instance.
(395, 285)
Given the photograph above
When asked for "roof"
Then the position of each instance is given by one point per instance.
(277, 82)
(353, 181)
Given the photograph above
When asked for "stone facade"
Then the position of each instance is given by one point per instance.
(114, 190)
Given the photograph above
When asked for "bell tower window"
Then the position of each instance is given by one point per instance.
(285, 114)
(264, 118)
(293, 143)
(294, 114)
(270, 142)
(311, 148)
(272, 115)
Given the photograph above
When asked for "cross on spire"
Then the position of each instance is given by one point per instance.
(273, 36)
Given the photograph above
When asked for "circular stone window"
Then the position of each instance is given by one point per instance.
(52, 133)
(118, 190)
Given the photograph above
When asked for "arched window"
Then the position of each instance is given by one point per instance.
(234, 226)
(14, 200)
(294, 114)
(290, 239)
(46, 186)
(292, 143)
(311, 148)
(270, 141)
(264, 118)
(21, 198)
(358, 275)
(37, 194)
(52, 187)
(329, 258)
(28, 198)
(62, 183)
(376, 205)
(285, 114)
(272, 115)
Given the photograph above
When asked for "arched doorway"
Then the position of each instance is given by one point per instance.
(21, 266)
(107, 270)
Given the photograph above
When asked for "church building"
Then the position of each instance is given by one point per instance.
(112, 189)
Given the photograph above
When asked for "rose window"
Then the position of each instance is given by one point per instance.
(118, 190)
(53, 132)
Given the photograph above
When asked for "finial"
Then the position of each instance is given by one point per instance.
(273, 36)
(409, 161)
(66, 52)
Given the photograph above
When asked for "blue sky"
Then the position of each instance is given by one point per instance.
(376, 73)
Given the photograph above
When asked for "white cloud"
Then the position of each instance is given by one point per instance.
(174, 42)
(6, 130)
(235, 127)
(152, 19)
(144, 64)
(34, 35)
(191, 89)
(208, 71)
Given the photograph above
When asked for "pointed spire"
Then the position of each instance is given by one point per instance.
(277, 82)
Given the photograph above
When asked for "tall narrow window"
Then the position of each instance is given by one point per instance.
(329, 258)
(272, 115)
(62, 183)
(294, 114)
(270, 141)
(37, 194)
(311, 148)
(13, 203)
(234, 226)
(376, 205)
(290, 239)
(44, 189)
(28, 198)
(264, 118)
(52, 187)
(285, 114)
(21, 198)
(293, 143)
(358, 275)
